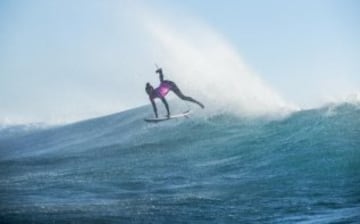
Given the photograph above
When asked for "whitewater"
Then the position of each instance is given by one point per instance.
(302, 168)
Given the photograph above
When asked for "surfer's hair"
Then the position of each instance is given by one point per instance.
(148, 88)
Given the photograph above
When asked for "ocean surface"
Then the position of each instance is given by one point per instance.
(220, 168)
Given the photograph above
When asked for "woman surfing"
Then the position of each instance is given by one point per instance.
(164, 88)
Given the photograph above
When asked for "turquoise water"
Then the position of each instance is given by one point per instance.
(304, 168)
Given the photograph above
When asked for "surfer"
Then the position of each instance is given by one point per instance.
(163, 89)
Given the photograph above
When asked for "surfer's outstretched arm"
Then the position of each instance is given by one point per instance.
(154, 107)
(161, 75)
(166, 105)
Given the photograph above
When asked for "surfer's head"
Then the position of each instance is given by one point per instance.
(149, 88)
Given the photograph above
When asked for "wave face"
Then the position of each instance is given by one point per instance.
(219, 169)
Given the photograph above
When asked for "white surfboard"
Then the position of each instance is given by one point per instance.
(185, 114)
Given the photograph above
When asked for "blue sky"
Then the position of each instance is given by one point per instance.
(69, 60)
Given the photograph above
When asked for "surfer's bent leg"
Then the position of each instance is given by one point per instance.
(166, 106)
(154, 107)
(178, 92)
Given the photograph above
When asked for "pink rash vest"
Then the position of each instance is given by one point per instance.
(162, 90)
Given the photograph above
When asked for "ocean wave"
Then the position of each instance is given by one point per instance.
(220, 167)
